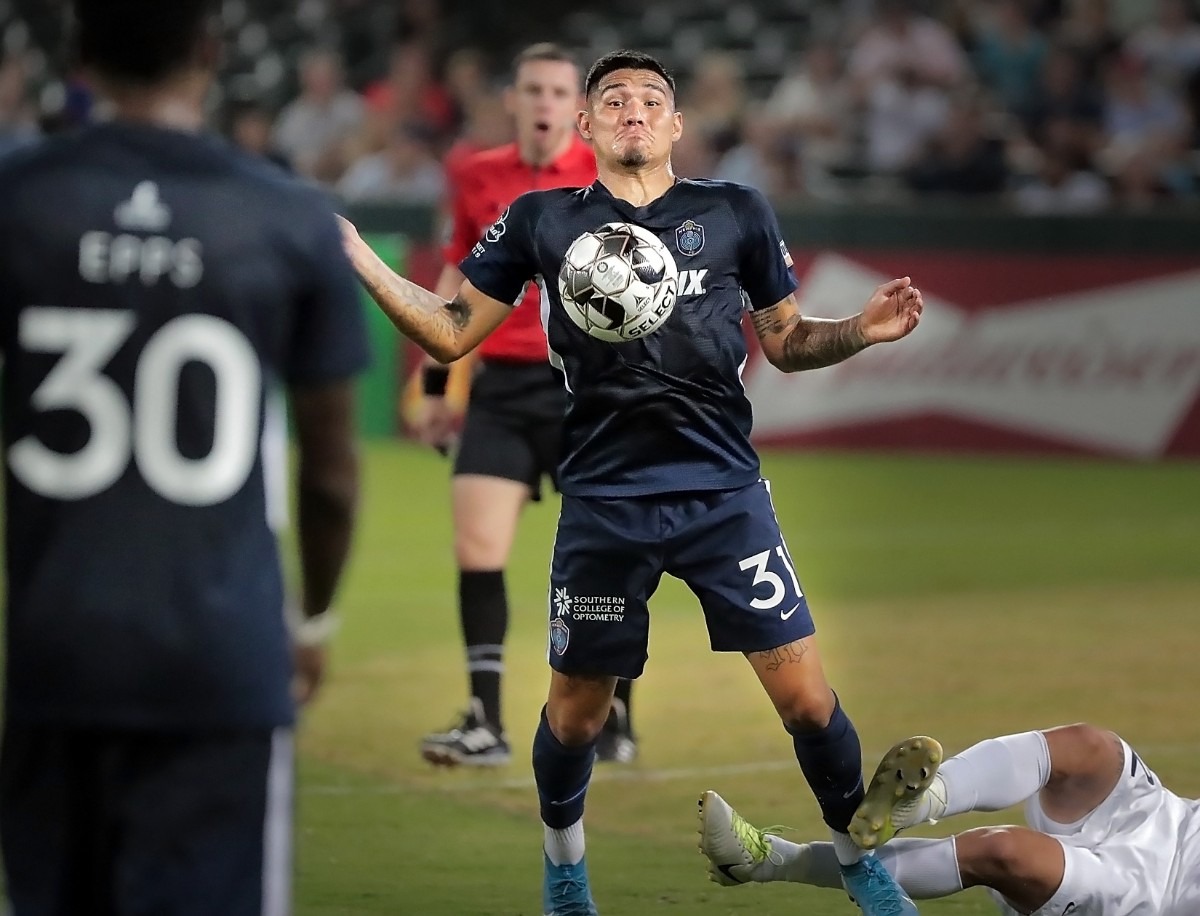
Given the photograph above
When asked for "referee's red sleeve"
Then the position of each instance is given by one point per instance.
(463, 232)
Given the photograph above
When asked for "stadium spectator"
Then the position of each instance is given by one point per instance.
(1062, 185)
(812, 106)
(250, 126)
(1105, 836)
(1087, 31)
(18, 126)
(409, 93)
(467, 81)
(312, 129)
(486, 125)
(715, 100)
(405, 171)
(1009, 55)
(159, 288)
(904, 47)
(962, 158)
(902, 69)
(1137, 111)
(1170, 45)
(755, 159)
(1067, 111)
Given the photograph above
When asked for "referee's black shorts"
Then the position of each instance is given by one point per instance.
(100, 823)
(513, 427)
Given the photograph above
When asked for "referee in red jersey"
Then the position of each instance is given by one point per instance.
(511, 434)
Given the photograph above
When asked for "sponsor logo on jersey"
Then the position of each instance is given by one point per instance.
(601, 608)
(689, 238)
(497, 229)
(562, 602)
(144, 211)
(691, 282)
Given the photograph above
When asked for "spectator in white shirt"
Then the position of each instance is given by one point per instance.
(405, 171)
(312, 130)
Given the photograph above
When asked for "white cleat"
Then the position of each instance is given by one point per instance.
(733, 846)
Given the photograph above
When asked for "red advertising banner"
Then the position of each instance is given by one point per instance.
(1015, 353)
(1042, 354)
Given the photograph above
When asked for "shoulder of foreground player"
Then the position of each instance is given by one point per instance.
(737, 194)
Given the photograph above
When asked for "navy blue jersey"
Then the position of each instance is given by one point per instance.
(667, 412)
(154, 288)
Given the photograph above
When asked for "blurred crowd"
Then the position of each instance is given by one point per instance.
(1058, 106)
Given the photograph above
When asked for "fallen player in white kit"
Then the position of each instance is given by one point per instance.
(1105, 837)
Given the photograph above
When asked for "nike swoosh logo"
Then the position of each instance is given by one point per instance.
(567, 801)
(785, 616)
(726, 870)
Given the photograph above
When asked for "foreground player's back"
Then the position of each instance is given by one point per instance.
(155, 287)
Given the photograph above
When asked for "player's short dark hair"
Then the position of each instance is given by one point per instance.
(543, 50)
(625, 60)
(139, 41)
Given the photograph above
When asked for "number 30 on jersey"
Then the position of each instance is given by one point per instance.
(142, 429)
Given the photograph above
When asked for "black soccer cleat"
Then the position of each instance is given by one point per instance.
(472, 741)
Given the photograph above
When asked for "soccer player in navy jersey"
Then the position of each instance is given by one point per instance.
(657, 471)
(513, 428)
(158, 290)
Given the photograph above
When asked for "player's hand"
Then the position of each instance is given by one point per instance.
(434, 422)
(352, 242)
(309, 671)
(892, 312)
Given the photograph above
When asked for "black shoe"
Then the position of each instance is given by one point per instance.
(472, 741)
(616, 743)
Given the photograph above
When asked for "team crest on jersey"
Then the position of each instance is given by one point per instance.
(689, 238)
(560, 635)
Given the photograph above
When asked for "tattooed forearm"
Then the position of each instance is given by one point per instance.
(783, 655)
(813, 343)
(767, 321)
(427, 319)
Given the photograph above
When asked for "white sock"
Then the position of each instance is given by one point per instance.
(565, 847)
(994, 774)
(926, 869)
(848, 852)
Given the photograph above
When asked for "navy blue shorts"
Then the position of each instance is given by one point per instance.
(104, 822)
(610, 554)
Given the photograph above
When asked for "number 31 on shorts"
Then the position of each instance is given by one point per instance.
(762, 575)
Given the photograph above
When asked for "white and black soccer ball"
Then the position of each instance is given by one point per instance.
(618, 282)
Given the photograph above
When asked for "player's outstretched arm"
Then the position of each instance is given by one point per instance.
(444, 330)
(792, 342)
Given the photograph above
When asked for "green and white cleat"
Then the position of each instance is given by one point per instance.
(893, 798)
(733, 846)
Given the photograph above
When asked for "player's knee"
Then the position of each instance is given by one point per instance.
(1077, 749)
(574, 726)
(477, 548)
(805, 711)
(989, 854)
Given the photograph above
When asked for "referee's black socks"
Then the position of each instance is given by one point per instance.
(483, 611)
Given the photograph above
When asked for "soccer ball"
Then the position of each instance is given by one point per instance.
(618, 282)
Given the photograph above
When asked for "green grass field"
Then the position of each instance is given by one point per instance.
(958, 598)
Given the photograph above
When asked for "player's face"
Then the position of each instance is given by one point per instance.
(631, 119)
(544, 100)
